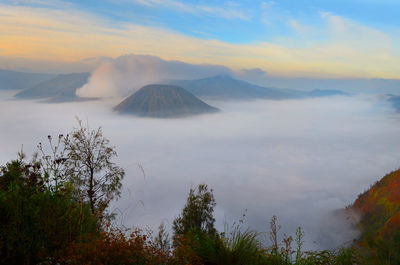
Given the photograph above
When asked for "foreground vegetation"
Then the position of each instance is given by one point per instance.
(53, 210)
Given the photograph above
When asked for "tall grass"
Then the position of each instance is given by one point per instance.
(242, 247)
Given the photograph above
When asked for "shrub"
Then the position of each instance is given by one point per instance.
(114, 247)
(197, 215)
(36, 223)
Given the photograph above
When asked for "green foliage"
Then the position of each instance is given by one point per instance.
(162, 239)
(197, 215)
(36, 221)
(242, 247)
(56, 199)
(344, 256)
(388, 249)
(299, 243)
(347, 256)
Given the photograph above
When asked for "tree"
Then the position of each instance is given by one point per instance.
(52, 164)
(91, 169)
(37, 222)
(162, 240)
(197, 215)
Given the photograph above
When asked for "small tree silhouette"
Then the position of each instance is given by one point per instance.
(91, 169)
(197, 215)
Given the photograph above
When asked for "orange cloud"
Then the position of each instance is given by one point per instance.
(351, 50)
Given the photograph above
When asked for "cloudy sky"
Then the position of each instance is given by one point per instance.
(307, 38)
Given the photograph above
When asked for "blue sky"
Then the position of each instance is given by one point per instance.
(243, 22)
(296, 28)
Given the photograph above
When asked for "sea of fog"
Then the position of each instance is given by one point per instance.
(296, 159)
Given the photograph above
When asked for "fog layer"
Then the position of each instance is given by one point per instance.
(297, 159)
(128, 73)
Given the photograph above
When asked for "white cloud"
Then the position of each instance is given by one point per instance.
(337, 30)
(127, 73)
(267, 4)
(253, 74)
(229, 10)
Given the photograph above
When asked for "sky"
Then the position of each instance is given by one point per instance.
(303, 38)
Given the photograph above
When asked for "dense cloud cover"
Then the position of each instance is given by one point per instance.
(128, 73)
(297, 159)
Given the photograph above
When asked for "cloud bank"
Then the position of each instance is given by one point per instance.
(297, 159)
(126, 74)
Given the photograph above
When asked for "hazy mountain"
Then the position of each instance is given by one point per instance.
(226, 87)
(20, 80)
(317, 93)
(350, 85)
(163, 101)
(395, 101)
(58, 89)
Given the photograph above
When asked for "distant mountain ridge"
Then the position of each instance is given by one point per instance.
(163, 101)
(227, 87)
(61, 88)
(318, 93)
(14, 80)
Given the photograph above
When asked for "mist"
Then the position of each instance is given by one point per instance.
(128, 73)
(300, 160)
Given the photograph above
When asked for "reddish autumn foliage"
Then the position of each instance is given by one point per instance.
(383, 195)
(185, 253)
(114, 247)
(379, 208)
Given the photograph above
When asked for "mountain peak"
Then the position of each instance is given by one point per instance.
(163, 101)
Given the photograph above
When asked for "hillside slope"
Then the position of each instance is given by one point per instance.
(379, 209)
(225, 87)
(61, 88)
(14, 80)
